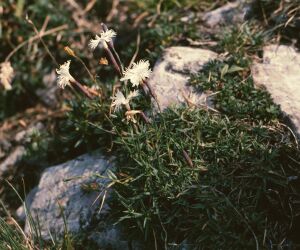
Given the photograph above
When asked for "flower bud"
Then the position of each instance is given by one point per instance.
(69, 51)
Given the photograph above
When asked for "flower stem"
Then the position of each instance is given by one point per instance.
(86, 68)
(152, 93)
(113, 60)
(112, 47)
(117, 57)
(82, 89)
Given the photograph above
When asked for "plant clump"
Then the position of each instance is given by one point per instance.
(239, 193)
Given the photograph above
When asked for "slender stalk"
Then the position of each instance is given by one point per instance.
(113, 51)
(86, 68)
(152, 93)
(112, 59)
(138, 41)
(117, 57)
(82, 89)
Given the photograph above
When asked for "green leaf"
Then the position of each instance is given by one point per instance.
(234, 68)
(224, 70)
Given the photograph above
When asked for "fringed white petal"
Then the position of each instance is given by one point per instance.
(64, 77)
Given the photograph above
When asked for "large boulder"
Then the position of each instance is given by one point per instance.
(279, 73)
(71, 192)
(171, 74)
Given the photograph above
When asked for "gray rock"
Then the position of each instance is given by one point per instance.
(170, 75)
(230, 13)
(279, 73)
(60, 194)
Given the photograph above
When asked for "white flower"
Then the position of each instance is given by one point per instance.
(137, 73)
(108, 35)
(119, 99)
(64, 76)
(6, 75)
(94, 42)
(105, 37)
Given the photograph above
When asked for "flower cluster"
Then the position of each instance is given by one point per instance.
(137, 73)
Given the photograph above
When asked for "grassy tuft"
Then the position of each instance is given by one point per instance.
(238, 194)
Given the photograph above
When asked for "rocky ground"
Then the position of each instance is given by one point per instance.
(74, 195)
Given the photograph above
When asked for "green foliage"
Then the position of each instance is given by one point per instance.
(235, 93)
(86, 125)
(243, 41)
(229, 193)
